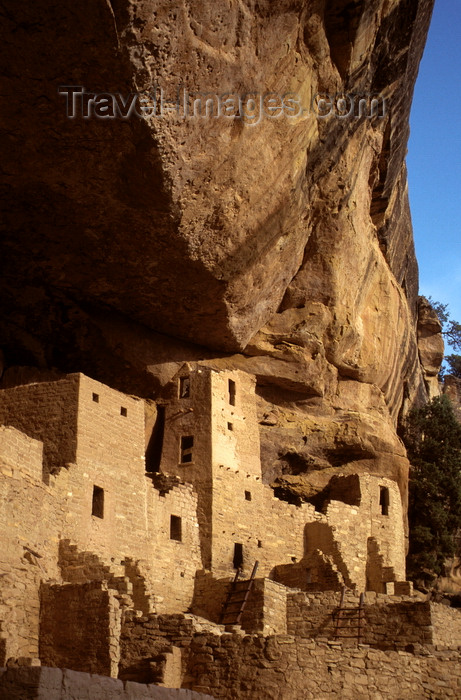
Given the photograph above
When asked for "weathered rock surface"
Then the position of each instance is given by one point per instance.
(452, 387)
(430, 345)
(283, 248)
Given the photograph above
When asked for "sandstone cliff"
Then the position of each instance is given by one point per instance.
(283, 248)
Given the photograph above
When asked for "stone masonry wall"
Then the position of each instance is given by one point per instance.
(277, 533)
(147, 642)
(359, 543)
(114, 422)
(371, 543)
(396, 622)
(80, 628)
(29, 548)
(49, 530)
(235, 429)
(286, 668)
(446, 625)
(46, 412)
(172, 564)
(247, 512)
(266, 609)
(190, 416)
(317, 571)
(233, 666)
(110, 456)
(210, 594)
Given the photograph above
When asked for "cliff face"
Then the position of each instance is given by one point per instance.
(281, 246)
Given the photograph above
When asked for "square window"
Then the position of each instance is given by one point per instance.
(97, 506)
(123, 411)
(230, 426)
(248, 495)
(175, 528)
(187, 444)
(96, 398)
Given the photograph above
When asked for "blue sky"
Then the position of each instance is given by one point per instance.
(434, 159)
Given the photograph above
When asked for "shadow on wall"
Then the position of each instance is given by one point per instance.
(321, 568)
(209, 595)
(83, 567)
(155, 444)
(377, 575)
(139, 594)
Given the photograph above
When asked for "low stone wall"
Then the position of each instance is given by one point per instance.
(285, 668)
(148, 643)
(446, 625)
(154, 648)
(235, 666)
(37, 683)
(145, 643)
(397, 622)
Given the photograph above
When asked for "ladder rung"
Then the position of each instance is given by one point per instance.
(239, 604)
(239, 594)
(237, 598)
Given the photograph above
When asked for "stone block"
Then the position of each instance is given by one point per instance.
(34, 683)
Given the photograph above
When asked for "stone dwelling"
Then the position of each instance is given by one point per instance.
(83, 518)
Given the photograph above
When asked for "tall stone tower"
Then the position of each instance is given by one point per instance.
(210, 428)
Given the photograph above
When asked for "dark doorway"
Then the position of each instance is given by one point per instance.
(175, 528)
(97, 507)
(384, 500)
(238, 555)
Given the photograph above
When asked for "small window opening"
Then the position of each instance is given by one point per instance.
(231, 392)
(187, 444)
(248, 495)
(97, 507)
(384, 500)
(175, 528)
(260, 544)
(96, 398)
(123, 411)
(230, 426)
(184, 387)
(238, 555)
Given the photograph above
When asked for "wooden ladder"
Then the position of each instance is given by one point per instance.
(349, 621)
(237, 597)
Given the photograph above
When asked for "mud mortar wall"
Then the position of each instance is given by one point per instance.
(289, 668)
(233, 666)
